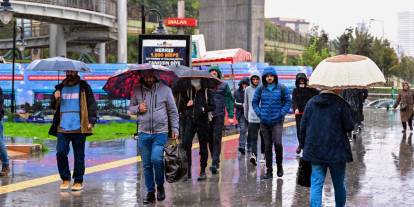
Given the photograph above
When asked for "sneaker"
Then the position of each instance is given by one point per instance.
(242, 151)
(150, 198)
(77, 186)
(253, 159)
(4, 171)
(263, 160)
(213, 169)
(64, 185)
(267, 176)
(202, 176)
(279, 170)
(160, 193)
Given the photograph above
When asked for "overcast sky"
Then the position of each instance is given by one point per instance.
(335, 15)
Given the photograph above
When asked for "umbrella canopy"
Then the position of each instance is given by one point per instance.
(346, 71)
(185, 75)
(58, 64)
(122, 83)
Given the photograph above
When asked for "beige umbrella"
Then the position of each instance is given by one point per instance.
(346, 71)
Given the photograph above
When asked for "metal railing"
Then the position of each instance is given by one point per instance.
(101, 6)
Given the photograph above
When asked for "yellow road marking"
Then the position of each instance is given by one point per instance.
(94, 169)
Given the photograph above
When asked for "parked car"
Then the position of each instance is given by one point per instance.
(381, 103)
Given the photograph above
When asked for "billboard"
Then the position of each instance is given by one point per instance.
(164, 50)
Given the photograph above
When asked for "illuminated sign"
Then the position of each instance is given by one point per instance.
(181, 22)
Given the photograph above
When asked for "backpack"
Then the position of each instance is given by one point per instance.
(282, 92)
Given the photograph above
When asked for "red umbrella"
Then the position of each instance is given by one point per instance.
(121, 85)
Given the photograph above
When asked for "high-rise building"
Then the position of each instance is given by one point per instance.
(406, 33)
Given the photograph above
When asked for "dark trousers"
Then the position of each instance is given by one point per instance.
(298, 118)
(192, 127)
(62, 148)
(272, 135)
(252, 138)
(215, 136)
(410, 123)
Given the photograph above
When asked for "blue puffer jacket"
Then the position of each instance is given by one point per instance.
(269, 105)
(323, 129)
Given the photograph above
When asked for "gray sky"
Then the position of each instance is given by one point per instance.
(335, 15)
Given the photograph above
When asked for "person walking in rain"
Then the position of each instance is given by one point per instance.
(5, 169)
(405, 99)
(223, 99)
(355, 97)
(253, 119)
(74, 119)
(154, 104)
(241, 119)
(300, 96)
(272, 102)
(194, 105)
(323, 138)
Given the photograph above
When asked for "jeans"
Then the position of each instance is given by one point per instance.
(62, 148)
(3, 150)
(272, 135)
(152, 154)
(216, 133)
(337, 171)
(243, 125)
(202, 129)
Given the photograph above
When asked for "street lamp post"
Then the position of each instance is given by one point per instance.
(6, 15)
(160, 29)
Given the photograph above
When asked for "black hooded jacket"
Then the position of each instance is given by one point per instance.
(239, 97)
(300, 96)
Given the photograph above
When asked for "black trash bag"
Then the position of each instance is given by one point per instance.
(176, 163)
(304, 173)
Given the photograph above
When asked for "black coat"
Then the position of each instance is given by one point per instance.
(90, 102)
(301, 96)
(239, 97)
(324, 127)
(199, 111)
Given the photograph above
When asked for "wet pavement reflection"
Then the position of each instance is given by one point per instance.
(381, 175)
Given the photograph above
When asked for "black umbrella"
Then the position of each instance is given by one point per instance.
(185, 75)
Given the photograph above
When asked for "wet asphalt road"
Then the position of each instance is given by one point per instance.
(381, 175)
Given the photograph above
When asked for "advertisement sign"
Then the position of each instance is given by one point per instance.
(164, 50)
(181, 22)
(198, 46)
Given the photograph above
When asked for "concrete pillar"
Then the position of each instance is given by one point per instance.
(181, 14)
(102, 53)
(52, 40)
(61, 49)
(122, 31)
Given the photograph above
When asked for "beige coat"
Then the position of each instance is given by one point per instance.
(405, 97)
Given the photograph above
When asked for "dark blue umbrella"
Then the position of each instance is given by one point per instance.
(58, 64)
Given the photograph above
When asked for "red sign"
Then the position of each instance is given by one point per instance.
(96, 77)
(9, 77)
(46, 77)
(181, 22)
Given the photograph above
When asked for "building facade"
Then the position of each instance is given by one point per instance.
(406, 33)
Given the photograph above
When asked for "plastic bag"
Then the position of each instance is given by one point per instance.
(176, 163)
(304, 173)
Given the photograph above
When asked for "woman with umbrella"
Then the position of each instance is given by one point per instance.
(195, 102)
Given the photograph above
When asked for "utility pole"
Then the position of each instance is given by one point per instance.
(181, 14)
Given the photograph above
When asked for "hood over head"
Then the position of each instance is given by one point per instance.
(255, 73)
(301, 76)
(267, 71)
(217, 69)
(245, 80)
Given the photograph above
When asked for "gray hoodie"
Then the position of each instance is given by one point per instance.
(161, 109)
(248, 98)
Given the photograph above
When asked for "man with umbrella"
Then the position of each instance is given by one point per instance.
(194, 104)
(74, 118)
(154, 103)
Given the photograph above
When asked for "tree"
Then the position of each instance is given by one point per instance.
(361, 44)
(274, 57)
(312, 56)
(343, 42)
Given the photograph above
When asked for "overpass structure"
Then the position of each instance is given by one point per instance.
(75, 24)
